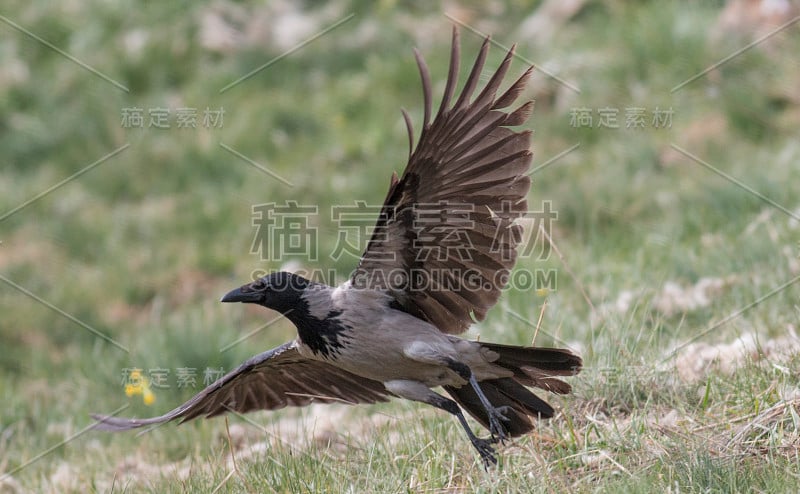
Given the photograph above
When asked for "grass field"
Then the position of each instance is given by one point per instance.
(676, 272)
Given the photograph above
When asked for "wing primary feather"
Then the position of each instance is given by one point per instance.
(460, 145)
(464, 162)
(513, 92)
(474, 75)
(409, 129)
(520, 115)
(427, 93)
(491, 87)
(452, 74)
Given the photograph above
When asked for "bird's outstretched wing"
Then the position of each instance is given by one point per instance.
(274, 379)
(446, 239)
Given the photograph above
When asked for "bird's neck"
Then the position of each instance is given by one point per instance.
(317, 320)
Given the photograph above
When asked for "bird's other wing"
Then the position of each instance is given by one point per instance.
(275, 379)
(446, 239)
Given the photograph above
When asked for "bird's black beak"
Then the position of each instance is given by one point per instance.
(239, 295)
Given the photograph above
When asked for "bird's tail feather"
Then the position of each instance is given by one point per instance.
(535, 367)
(503, 392)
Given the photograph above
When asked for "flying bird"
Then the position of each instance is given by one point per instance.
(437, 261)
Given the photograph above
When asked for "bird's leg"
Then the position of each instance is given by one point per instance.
(414, 390)
(496, 414)
(422, 352)
(484, 446)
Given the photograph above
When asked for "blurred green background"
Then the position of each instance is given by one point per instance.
(677, 208)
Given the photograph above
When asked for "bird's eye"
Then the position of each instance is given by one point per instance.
(258, 285)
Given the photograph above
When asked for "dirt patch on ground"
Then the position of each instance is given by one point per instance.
(696, 360)
(672, 298)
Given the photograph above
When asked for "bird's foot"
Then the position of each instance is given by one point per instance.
(485, 449)
(497, 415)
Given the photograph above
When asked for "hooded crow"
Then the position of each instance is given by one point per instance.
(438, 258)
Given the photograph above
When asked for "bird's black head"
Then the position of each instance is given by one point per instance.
(279, 291)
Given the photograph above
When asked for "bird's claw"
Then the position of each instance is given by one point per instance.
(485, 449)
(497, 415)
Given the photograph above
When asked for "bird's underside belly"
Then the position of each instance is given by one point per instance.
(389, 365)
(381, 362)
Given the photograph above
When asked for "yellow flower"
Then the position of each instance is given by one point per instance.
(139, 385)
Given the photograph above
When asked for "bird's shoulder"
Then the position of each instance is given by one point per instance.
(349, 297)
